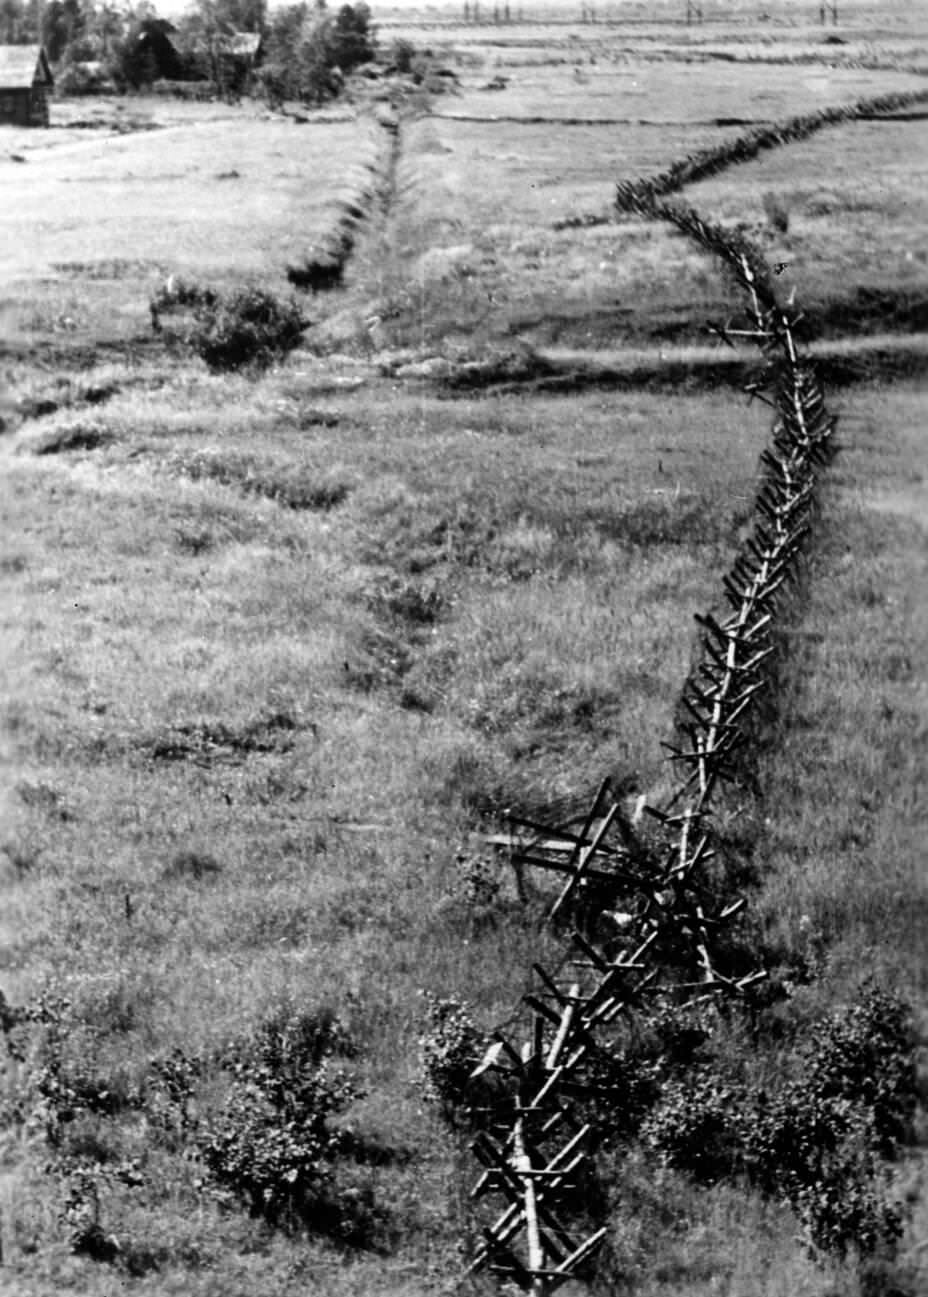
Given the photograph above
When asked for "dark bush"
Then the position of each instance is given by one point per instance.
(695, 1126)
(777, 212)
(250, 327)
(816, 1143)
(865, 1055)
(177, 294)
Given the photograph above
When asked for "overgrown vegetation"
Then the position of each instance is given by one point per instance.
(256, 1116)
(247, 327)
(816, 1139)
(817, 1135)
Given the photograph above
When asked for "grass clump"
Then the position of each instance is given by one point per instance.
(292, 486)
(72, 435)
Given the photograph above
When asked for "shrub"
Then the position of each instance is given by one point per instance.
(246, 327)
(179, 294)
(865, 1055)
(170, 1091)
(251, 327)
(308, 55)
(271, 1142)
(402, 53)
(81, 1217)
(695, 1126)
(815, 1144)
(449, 1052)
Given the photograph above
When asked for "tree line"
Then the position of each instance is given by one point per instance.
(306, 50)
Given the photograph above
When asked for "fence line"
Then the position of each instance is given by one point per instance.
(533, 1148)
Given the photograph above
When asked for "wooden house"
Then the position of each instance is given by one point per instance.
(235, 56)
(25, 84)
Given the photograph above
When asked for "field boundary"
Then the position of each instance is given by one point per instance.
(323, 266)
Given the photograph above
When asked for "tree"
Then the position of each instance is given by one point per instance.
(63, 22)
(14, 28)
(352, 38)
(309, 51)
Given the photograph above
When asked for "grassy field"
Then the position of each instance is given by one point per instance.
(102, 217)
(279, 650)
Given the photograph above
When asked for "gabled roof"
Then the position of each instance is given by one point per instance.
(22, 65)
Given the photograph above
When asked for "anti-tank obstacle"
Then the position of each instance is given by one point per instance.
(534, 1152)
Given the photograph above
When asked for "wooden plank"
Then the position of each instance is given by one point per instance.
(584, 1251)
(586, 855)
(564, 1027)
(536, 1254)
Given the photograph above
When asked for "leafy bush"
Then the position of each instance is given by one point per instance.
(179, 294)
(81, 1217)
(170, 1091)
(865, 1055)
(695, 1126)
(250, 327)
(247, 327)
(449, 1052)
(271, 1143)
(815, 1144)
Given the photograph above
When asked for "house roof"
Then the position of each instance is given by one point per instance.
(22, 65)
(243, 44)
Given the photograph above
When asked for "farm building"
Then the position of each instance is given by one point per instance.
(25, 83)
(154, 54)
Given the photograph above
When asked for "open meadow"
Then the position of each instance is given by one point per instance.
(283, 647)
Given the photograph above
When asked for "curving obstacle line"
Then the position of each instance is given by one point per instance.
(533, 1148)
(745, 148)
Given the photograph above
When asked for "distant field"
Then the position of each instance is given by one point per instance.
(672, 92)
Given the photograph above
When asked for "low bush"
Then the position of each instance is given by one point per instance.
(292, 486)
(402, 54)
(817, 1142)
(449, 1051)
(272, 1142)
(248, 327)
(251, 327)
